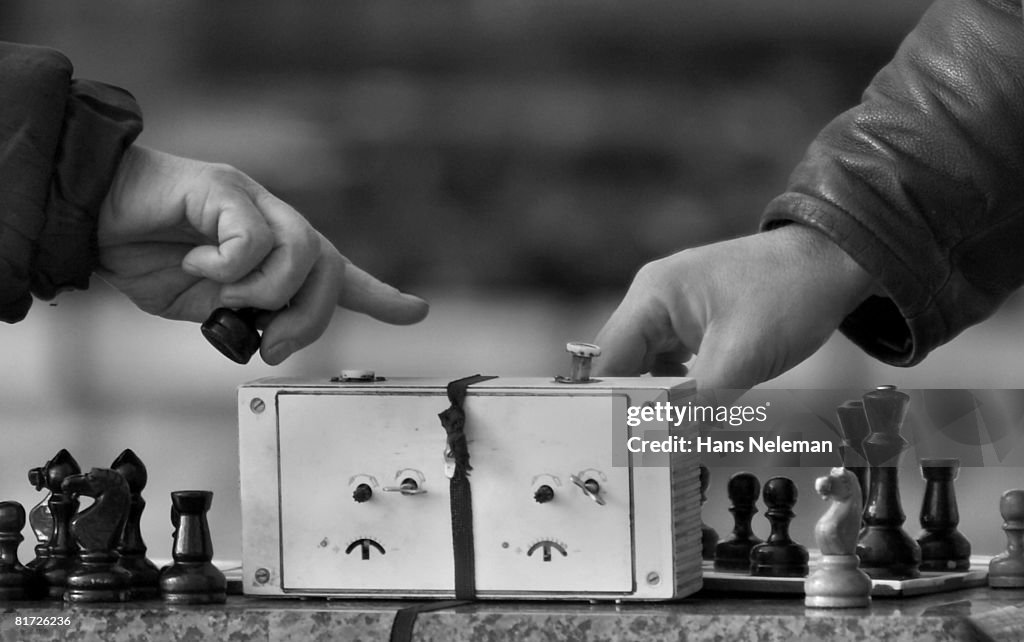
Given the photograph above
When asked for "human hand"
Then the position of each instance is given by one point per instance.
(182, 237)
(750, 308)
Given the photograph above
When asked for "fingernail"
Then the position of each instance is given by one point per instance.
(413, 294)
(191, 268)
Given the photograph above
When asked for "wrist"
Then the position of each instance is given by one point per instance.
(113, 202)
(826, 263)
(146, 195)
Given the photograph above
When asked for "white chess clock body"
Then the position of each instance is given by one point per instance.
(345, 490)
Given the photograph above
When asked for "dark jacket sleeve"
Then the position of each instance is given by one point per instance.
(923, 182)
(61, 141)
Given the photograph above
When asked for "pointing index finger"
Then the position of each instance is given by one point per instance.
(362, 292)
(623, 345)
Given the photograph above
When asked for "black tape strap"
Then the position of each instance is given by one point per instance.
(405, 619)
(454, 421)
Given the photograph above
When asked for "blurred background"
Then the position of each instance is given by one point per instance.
(515, 162)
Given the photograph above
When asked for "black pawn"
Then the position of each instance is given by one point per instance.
(131, 549)
(884, 548)
(854, 425)
(943, 547)
(1006, 570)
(95, 576)
(192, 578)
(16, 581)
(59, 551)
(780, 556)
(734, 553)
(233, 332)
(708, 535)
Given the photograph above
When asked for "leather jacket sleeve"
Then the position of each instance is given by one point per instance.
(923, 182)
(61, 141)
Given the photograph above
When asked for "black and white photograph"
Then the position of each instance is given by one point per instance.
(512, 320)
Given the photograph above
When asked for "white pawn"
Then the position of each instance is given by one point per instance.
(838, 581)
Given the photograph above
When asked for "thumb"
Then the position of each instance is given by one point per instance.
(362, 292)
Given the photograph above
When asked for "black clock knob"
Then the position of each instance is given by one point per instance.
(233, 332)
(362, 493)
(544, 494)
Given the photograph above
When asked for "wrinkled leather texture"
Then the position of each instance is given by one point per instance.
(61, 141)
(923, 182)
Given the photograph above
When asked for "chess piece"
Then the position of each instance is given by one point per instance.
(734, 553)
(143, 574)
(192, 578)
(59, 550)
(1006, 570)
(95, 576)
(886, 551)
(836, 581)
(233, 332)
(779, 556)
(943, 547)
(16, 581)
(708, 535)
(41, 522)
(854, 425)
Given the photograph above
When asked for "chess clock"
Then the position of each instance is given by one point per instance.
(369, 486)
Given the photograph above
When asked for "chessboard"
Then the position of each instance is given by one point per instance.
(929, 582)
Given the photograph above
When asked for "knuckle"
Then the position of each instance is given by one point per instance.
(250, 244)
(310, 240)
(259, 237)
(676, 274)
(222, 173)
(651, 275)
(302, 236)
(665, 290)
(302, 243)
